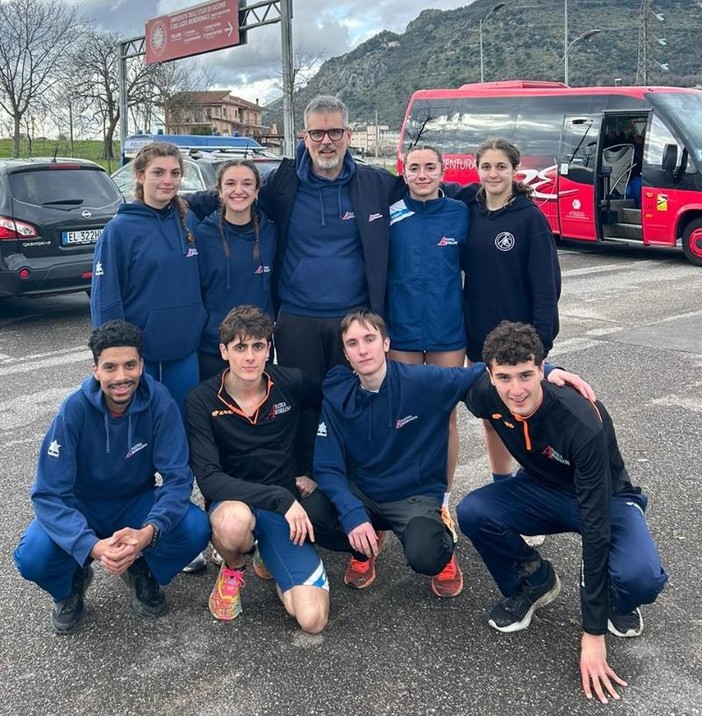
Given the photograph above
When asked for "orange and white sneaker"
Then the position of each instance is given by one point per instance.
(448, 521)
(360, 575)
(449, 581)
(259, 567)
(225, 599)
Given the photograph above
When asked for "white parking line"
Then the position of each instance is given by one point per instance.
(27, 364)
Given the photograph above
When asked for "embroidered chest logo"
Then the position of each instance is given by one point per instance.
(192, 251)
(551, 454)
(322, 430)
(263, 269)
(99, 271)
(504, 241)
(278, 409)
(373, 217)
(447, 241)
(348, 215)
(401, 422)
(135, 449)
(219, 413)
(54, 449)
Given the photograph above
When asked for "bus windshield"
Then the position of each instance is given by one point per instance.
(683, 110)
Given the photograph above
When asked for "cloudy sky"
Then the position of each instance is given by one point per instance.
(251, 71)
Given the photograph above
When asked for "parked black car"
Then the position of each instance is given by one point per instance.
(52, 212)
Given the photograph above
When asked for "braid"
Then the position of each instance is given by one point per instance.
(254, 219)
(182, 207)
(225, 245)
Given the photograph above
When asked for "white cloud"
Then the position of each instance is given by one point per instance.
(252, 71)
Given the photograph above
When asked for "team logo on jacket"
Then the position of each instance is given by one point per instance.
(99, 271)
(348, 215)
(192, 251)
(373, 217)
(135, 449)
(263, 269)
(220, 413)
(401, 422)
(54, 448)
(447, 241)
(504, 241)
(279, 409)
(322, 430)
(551, 454)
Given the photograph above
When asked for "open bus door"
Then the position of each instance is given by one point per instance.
(577, 177)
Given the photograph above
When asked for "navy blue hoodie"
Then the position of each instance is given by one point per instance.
(425, 303)
(322, 272)
(145, 272)
(233, 278)
(511, 270)
(392, 444)
(90, 457)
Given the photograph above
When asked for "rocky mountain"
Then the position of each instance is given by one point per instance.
(523, 40)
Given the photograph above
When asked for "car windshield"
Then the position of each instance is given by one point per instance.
(56, 187)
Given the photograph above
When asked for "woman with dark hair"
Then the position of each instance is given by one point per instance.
(424, 307)
(237, 245)
(145, 271)
(510, 263)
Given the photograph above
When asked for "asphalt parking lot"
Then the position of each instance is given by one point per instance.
(631, 324)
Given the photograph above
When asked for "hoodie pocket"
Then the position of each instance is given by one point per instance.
(173, 333)
(331, 284)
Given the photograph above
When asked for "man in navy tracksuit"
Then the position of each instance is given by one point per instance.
(95, 495)
(333, 237)
(573, 479)
(380, 454)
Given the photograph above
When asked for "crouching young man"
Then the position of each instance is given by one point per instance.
(95, 495)
(242, 427)
(573, 479)
(382, 448)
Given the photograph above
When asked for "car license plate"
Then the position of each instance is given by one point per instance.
(76, 238)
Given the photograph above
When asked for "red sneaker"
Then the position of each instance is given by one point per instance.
(360, 575)
(449, 581)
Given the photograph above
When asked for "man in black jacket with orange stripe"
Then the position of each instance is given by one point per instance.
(573, 479)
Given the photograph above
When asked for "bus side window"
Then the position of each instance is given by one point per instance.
(657, 137)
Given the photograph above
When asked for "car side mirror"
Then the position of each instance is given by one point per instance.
(670, 157)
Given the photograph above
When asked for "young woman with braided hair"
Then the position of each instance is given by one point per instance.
(237, 245)
(145, 271)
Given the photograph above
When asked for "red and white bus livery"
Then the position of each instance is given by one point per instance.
(607, 164)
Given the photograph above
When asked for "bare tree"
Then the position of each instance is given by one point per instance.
(35, 39)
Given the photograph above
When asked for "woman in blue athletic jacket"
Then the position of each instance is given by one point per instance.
(510, 263)
(236, 246)
(145, 271)
(424, 301)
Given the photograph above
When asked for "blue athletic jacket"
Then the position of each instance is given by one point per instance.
(90, 458)
(392, 444)
(145, 272)
(424, 296)
(234, 279)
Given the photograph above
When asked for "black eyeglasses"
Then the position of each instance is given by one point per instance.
(317, 135)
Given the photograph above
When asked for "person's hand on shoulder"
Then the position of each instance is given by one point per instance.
(561, 377)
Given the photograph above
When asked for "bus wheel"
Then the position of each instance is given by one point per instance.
(692, 242)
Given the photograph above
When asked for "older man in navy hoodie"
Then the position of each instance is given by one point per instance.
(95, 494)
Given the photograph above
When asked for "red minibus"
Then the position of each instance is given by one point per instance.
(607, 164)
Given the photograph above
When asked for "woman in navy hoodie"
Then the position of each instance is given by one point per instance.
(424, 304)
(510, 263)
(236, 246)
(145, 271)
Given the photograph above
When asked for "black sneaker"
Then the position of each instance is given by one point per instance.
(68, 613)
(148, 599)
(625, 625)
(514, 613)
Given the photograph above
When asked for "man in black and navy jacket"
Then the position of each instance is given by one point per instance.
(572, 479)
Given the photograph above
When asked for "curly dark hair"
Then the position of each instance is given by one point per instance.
(511, 343)
(245, 321)
(115, 334)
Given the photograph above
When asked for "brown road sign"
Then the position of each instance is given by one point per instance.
(193, 31)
